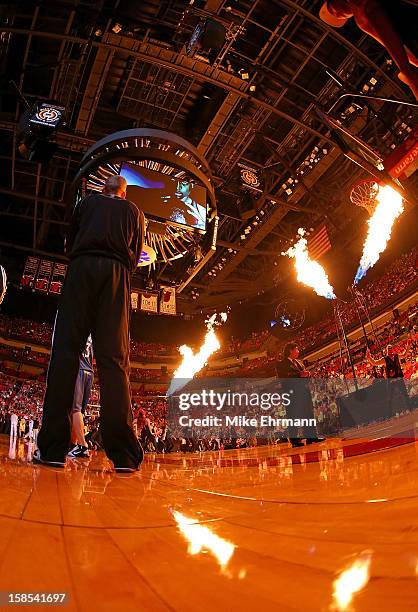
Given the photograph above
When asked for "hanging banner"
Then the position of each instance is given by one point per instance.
(251, 179)
(134, 300)
(58, 276)
(168, 301)
(30, 272)
(149, 302)
(403, 161)
(44, 275)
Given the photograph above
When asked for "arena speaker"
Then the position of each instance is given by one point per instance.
(213, 36)
(208, 37)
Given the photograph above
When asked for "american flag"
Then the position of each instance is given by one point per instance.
(319, 243)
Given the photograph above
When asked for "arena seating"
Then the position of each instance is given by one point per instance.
(22, 391)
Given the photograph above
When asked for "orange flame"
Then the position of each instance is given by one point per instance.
(389, 208)
(309, 272)
(193, 362)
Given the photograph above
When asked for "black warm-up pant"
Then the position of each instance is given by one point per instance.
(96, 300)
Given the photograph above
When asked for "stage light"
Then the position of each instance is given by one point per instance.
(208, 36)
(252, 88)
(116, 28)
(244, 74)
(37, 126)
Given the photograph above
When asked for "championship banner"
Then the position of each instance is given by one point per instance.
(44, 275)
(58, 276)
(30, 271)
(149, 302)
(403, 161)
(250, 178)
(134, 300)
(168, 301)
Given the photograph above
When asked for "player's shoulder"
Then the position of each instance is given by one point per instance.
(136, 212)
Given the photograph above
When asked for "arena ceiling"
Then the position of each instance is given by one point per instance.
(120, 64)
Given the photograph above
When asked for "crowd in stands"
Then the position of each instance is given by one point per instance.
(24, 397)
(377, 293)
(21, 393)
(23, 355)
(34, 332)
(401, 274)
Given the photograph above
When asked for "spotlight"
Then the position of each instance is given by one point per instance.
(244, 74)
(37, 126)
(116, 28)
(208, 36)
(253, 88)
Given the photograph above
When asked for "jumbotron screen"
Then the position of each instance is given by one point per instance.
(161, 196)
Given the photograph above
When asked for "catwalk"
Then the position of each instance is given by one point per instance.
(269, 528)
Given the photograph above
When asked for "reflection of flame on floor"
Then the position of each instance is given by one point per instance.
(351, 581)
(201, 538)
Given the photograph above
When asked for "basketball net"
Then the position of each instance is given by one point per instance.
(364, 194)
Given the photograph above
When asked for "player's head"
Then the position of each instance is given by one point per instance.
(183, 189)
(291, 350)
(335, 13)
(115, 185)
(389, 350)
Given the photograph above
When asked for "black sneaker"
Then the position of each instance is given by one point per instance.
(314, 440)
(125, 470)
(36, 458)
(79, 452)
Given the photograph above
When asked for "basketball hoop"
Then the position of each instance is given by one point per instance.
(364, 194)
